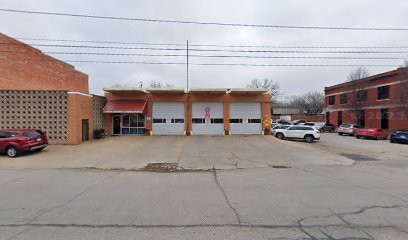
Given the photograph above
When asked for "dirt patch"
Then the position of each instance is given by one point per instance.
(168, 168)
(279, 166)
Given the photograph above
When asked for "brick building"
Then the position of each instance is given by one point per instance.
(138, 111)
(39, 91)
(379, 101)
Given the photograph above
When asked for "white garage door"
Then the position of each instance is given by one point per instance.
(245, 118)
(168, 118)
(208, 118)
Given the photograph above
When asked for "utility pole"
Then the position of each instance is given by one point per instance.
(187, 63)
(188, 94)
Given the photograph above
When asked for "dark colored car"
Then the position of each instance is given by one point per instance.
(297, 122)
(327, 127)
(15, 142)
(400, 136)
(374, 133)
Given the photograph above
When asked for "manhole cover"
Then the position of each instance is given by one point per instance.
(360, 158)
(280, 166)
(161, 167)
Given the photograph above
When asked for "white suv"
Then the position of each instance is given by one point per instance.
(308, 133)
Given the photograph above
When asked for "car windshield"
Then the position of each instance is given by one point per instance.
(402, 132)
(33, 134)
(345, 125)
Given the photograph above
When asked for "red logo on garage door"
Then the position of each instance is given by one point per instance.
(207, 114)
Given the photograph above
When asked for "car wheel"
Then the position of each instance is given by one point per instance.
(378, 137)
(357, 136)
(340, 134)
(392, 141)
(279, 136)
(309, 138)
(13, 152)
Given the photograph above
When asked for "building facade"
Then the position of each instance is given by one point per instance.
(379, 101)
(41, 92)
(135, 111)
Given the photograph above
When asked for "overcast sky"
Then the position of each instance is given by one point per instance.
(293, 80)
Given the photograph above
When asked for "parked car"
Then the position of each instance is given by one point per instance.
(348, 129)
(400, 136)
(374, 133)
(298, 122)
(279, 127)
(328, 127)
(309, 134)
(14, 142)
(283, 122)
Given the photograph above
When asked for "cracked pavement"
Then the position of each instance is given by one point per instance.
(364, 200)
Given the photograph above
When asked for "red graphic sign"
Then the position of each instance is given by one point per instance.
(207, 114)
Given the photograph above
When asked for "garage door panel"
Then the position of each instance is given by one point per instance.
(215, 125)
(246, 118)
(168, 118)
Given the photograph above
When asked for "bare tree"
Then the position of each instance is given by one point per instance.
(156, 84)
(358, 74)
(357, 95)
(311, 103)
(269, 84)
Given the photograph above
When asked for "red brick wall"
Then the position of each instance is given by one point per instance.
(23, 67)
(79, 108)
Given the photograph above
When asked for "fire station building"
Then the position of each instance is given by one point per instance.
(172, 111)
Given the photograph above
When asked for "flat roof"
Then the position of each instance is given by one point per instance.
(166, 90)
(125, 89)
(248, 90)
(208, 90)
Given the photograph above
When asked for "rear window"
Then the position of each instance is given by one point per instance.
(8, 134)
(345, 125)
(33, 134)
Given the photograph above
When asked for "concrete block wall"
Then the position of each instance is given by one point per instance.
(98, 103)
(35, 109)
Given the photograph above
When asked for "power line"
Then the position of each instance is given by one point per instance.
(103, 42)
(220, 56)
(207, 50)
(203, 23)
(212, 64)
(205, 45)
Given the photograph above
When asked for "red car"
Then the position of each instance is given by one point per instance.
(14, 142)
(374, 133)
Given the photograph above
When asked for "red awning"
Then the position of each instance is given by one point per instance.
(124, 106)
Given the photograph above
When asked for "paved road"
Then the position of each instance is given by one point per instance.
(367, 200)
(308, 200)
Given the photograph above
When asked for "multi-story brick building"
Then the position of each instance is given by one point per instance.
(379, 101)
(39, 91)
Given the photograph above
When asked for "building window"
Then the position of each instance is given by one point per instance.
(383, 92)
(159, 120)
(198, 120)
(257, 120)
(362, 95)
(236, 120)
(217, 120)
(332, 100)
(343, 98)
(177, 120)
